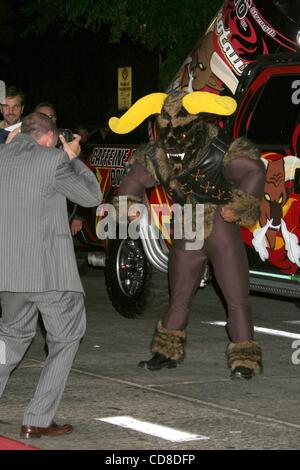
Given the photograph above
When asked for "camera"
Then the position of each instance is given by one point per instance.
(67, 133)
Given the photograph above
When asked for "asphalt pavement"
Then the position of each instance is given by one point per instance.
(115, 405)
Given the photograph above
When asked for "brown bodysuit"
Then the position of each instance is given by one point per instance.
(224, 249)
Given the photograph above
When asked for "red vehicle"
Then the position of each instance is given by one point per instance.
(251, 51)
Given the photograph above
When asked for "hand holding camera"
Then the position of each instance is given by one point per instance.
(70, 142)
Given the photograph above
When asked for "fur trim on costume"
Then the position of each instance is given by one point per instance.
(142, 155)
(163, 169)
(245, 206)
(245, 354)
(242, 147)
(172, 106)
(209, 217)
(168, 342)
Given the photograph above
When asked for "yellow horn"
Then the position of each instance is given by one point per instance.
(205, 102)
(139, 111)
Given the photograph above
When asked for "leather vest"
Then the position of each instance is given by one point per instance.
(205, 181)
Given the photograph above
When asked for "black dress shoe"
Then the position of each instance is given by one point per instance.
(157, 362)
(242, 373)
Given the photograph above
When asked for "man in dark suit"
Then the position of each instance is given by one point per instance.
(3, 136)
(38, 265)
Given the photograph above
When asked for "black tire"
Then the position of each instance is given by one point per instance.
(127, 276)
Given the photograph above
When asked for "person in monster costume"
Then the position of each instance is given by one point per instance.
(190, 160)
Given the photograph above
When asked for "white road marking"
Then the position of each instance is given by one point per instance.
(261, 420)
(164, 432)
(259, 329)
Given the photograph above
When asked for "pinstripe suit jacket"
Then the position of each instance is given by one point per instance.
(36, 246)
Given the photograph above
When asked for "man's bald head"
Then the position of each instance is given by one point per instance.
(41, 128)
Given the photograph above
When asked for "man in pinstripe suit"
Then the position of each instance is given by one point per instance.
(38, 265)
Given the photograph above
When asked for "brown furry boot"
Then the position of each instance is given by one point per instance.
(168, 349)
(244, 359)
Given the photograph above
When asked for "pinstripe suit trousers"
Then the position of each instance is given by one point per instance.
(63, 315)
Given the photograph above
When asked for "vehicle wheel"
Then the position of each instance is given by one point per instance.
(127, 276)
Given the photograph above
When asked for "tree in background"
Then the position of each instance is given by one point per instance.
(170, 27)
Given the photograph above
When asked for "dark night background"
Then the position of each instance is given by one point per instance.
(77, 73)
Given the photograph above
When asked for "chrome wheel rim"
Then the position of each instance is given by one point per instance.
(130, 267)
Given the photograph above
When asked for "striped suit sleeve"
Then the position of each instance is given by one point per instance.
(76, 181)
